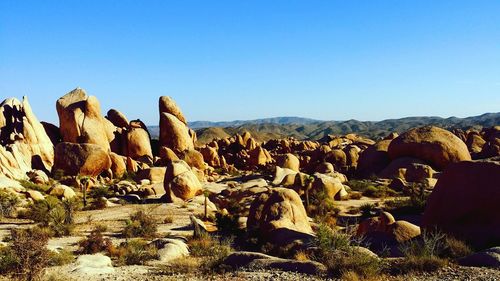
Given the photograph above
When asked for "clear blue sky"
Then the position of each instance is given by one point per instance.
(225, 60)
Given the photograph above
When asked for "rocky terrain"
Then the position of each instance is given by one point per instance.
(99, 197)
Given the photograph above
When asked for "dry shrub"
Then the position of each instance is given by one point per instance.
(134, 251)
(61, 257)
(140, 224)
(8, 203)
(54, 215)
(212, 250)
(95, 242)
(301, 256)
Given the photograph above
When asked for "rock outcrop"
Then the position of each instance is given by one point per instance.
(24, 144)
(82, 159)
(180, 182)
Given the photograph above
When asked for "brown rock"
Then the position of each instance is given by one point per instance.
(117, 118)
(180, 182)
(118, 165)
(168, 105)
(139, 145)
(193, 158)
(174, 134)
(289, 161)
(464, 203)
(433, 145)
(81, 159)
(374, 159)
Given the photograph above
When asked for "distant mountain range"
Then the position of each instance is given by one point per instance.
(305, 128)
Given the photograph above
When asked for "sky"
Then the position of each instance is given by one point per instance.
(228, 60)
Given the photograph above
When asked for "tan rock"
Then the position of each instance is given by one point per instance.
(154, 174)
(180, 182)
(81, 159)
(139, 145)
(117, 118)
(174, 134)
(168, 105)
(118, 165)
(193, 158)
(289, 161)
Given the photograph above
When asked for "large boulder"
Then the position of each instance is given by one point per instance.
(434, 145)
(374, 159)
(118, 165)
(80, 120)
(180, 182)
(289, 161)
(83, 159)
(139, 145)
(259, 156)
(174, 134)
(117, 118)
(24, 144)
(464, 203)
(279, 216)
(168, 105)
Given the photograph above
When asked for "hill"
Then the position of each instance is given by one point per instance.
(303, 128)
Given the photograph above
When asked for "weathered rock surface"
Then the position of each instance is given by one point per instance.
(433, 145)
(81, 159)
(464, 202)
(180, 182)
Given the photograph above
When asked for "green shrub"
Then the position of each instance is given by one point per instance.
(61, 257)
(27, 256)
(134, 251)
(140, 224)
(95, 242)
(337, 251)
(227, 224)
(8, 203)
(367, 210)
(53, 214)
(212, 250)
(100, 191)
(39, 187)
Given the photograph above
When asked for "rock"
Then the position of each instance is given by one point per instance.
(397, 168)
(117, 118)
(352, 155)
(62, 190)
(118, 165)
(139, 145)
(174, 134)
(259, 157)
(281, 174)
(486, 258)
(10, 184)
(337, 157)
(38, 177)
(252, 260)
(210, 156)
(35, 195)
(289, 161)
(329, 185)
(374, 159)
(464, 203)
(180, 181)
(24, 143)
(81, 159)
(81, 121)
(475, 142)
(325, 168)
(193, 158)
(279, 216)
(199, 227)
(166, 154)
(52, 132)
(171, 249)
(418, 172)
(96, 264)
(434, 145)
(403, 231)
(154, 174)
(168, 105)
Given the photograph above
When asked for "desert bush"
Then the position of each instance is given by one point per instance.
(134, 251)
(367, 210)
(8, 203)
(30, 185)
(212, 250)
(95, 242)
(455, 248)
(27, 256)
(425, 254)
(129, 176)
(140, 224)
(355, 195)
(61, 257)
(337, 251)
(51, 213)
(227, 224)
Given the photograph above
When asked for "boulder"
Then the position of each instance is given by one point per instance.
(281, 174)
(418, 172)
(81, 159)
(210, 156)
(329, 185)
(434, 145)
(10, 184)
(279, 216)
(24, 144)
(62, 191)
(174, 134)
(486, 258)
(154, 174)
(289, 161)
(464, 203)
(193, 158)
(117, 118)
(171, 249)
(118, 165)
(139, 145)
(80, 120)
(259, 157)
(374, 159)
(397, 167)
(38, 177)
(168, 105)
(97, 264)
(180, 182)
(325, 168)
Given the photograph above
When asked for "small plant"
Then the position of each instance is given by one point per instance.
(168, 219)
(62, 257)
(140, 224)
(8, 203)
(227, 224)
(52, 214)
(338, 252)
(27, 257)
(38, 187)
(213, 251)
(424, 255)
(367, 210)
(95, 242)
(134, 251)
